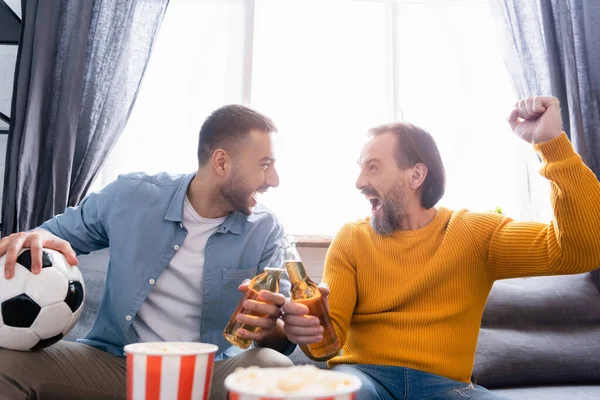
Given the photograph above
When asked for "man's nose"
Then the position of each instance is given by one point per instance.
(361, 182)
(272, 178)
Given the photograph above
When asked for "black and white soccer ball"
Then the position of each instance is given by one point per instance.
(36, 311)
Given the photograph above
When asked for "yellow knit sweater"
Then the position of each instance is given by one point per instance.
(415, 298)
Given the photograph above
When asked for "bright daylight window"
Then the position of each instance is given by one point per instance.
(325, 71)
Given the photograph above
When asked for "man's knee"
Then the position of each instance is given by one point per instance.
(368, 389)
(262, 357)
(13, 374)
(15, 362)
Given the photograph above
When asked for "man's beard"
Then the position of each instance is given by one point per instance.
(392, 207)
(237, 193)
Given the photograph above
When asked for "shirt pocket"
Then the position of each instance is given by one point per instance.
(231, 279)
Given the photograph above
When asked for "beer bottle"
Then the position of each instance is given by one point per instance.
(267, 280)
(305, 291)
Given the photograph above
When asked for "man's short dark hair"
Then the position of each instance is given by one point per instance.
(416, 145)
(227, 126)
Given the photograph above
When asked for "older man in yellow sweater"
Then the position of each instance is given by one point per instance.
(409, 284)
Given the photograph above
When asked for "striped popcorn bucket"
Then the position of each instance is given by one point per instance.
(247, 385)
(169, 370)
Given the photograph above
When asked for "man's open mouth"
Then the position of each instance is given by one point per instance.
(253, 199)
(254, 196)
(375, 203)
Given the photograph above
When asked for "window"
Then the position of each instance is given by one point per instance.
(8, 56)
(326, 71)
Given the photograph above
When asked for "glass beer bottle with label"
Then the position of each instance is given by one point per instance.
(267, 280)
(305, 291)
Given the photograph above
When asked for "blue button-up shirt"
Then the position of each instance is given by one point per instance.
(139, 217)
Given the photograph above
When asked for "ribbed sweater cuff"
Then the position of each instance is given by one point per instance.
(557, 149)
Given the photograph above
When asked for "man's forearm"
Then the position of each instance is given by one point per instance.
(277, 340)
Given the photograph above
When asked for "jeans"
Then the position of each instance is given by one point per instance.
(382, 382)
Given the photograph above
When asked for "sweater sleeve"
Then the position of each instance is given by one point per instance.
(569, 244)
(340, 275)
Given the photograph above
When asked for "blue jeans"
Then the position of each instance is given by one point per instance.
(382, 382)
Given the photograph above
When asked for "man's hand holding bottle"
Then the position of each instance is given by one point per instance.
(301, 327)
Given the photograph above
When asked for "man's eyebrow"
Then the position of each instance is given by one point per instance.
(369, 160)
(271, 159)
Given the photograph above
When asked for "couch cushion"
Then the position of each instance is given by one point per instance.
(551, 393)
(596, 278)
(537, 331)
(93, 268)
(542, 301)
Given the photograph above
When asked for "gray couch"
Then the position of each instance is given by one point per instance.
(539, 339)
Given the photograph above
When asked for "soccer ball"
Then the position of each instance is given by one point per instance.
(36, 311)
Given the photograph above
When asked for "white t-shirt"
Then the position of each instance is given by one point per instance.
(173, 307)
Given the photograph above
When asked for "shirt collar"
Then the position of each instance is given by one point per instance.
(234, 222)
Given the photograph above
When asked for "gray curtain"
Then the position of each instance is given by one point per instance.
(553, 47)
(79, 68)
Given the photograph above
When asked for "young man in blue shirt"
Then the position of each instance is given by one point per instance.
(181, 248)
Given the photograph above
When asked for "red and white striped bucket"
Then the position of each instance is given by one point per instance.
(261, 387)
(169, 370)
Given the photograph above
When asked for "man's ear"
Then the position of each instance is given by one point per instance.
(417, 176)
(221, 163)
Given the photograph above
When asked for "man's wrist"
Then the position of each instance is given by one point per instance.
(557, 149)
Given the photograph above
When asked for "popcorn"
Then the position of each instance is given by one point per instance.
(171, 348)
(293, 381)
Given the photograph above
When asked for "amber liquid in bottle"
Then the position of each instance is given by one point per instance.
(268, 280)
(306, 292)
